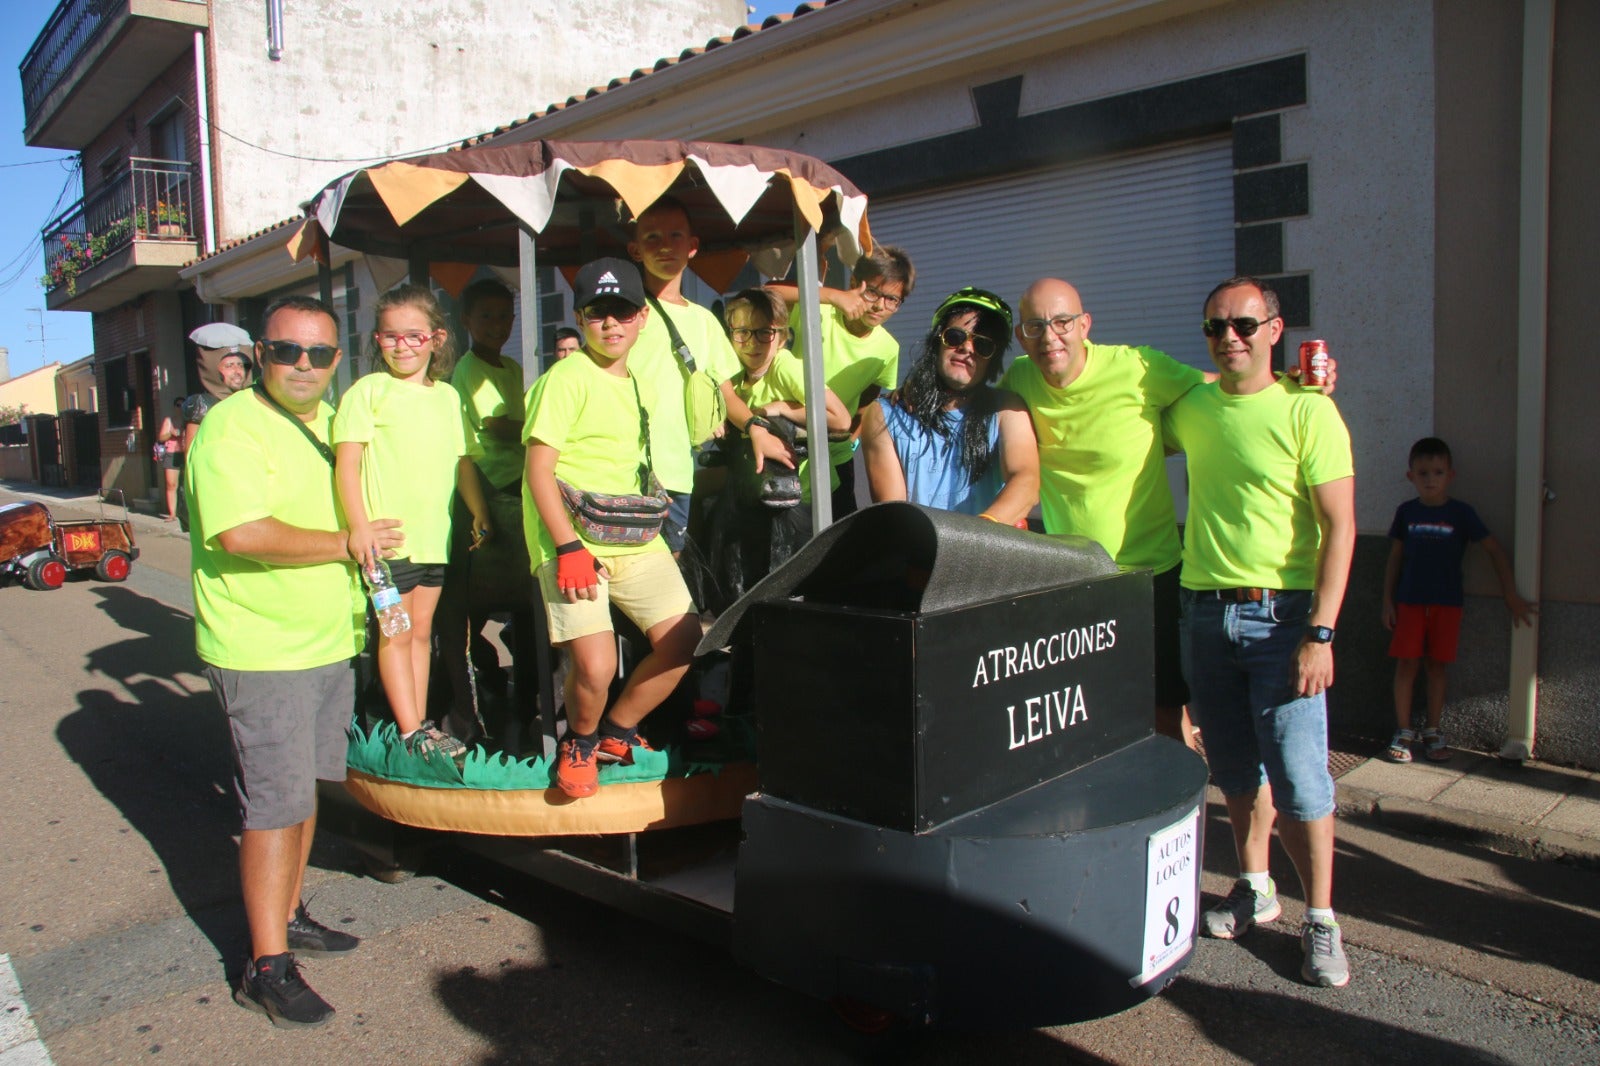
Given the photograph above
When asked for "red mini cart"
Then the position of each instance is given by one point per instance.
(39, 550)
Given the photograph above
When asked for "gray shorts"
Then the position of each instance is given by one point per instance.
(288, 729)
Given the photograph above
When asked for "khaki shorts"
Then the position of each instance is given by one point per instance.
(645, 586)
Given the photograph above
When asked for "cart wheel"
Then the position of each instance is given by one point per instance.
(113, 566)
(46, 574)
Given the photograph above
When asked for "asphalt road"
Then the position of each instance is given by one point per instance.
(119, 916)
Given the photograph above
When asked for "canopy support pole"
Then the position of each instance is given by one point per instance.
(528, 305)
(820, 466)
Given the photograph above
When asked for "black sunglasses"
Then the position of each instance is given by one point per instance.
(287, 353)
(955, 337)
(1244, 327)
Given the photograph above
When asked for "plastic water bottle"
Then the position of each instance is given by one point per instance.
(392, 617)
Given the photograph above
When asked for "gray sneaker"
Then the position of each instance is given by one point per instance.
(1325, 963)
(1243, 908)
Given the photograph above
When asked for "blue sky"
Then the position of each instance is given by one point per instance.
(31, 196)
(34, 196)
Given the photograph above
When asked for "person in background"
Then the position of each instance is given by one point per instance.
(568, 340)
(169, 439)
(860, 359)
(1422, 593)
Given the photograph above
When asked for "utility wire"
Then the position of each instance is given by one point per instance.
(452, 142)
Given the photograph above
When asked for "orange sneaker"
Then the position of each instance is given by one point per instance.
(576, 773)
(620, 749)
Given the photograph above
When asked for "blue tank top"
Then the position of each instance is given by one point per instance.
(933, 476)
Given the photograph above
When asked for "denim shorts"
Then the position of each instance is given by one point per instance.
(1240, 662)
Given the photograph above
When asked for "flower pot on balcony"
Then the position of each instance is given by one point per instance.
(169, 231)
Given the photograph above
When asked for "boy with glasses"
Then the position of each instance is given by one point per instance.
(1266, 556)
(946, 438)
(860, 359)
(590, 424)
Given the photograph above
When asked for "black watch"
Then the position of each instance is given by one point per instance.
(1319, 634)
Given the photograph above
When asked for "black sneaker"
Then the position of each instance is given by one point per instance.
(272, 985)
(310, 937)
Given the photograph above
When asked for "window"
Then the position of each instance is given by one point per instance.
(167, 140)
(120, 399)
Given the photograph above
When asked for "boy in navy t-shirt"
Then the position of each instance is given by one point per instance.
(1422, 593)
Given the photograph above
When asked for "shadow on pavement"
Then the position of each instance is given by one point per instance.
(164, 761)
(676, 1000)
(1265, 1028)
(1549, 920)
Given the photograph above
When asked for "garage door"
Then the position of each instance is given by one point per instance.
(1143, 236)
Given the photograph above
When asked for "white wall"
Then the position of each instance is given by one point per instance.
(390, 77)
(1366, 129)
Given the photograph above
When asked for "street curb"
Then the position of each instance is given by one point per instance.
(1498, 834)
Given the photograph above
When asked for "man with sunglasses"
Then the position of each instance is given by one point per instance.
(1266, 555)
(946, 438)
(278, 617)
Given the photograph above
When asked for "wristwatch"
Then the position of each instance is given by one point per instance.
(1319, 634)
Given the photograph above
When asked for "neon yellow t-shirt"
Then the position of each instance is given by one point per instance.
(653, 362)
(851, 364)
(784, 382)
(1101, 469)
(591, 418)
(492, 392)
(1252, 462)
(248, 462)
(414, 435)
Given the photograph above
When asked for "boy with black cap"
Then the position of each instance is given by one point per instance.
(588, 426)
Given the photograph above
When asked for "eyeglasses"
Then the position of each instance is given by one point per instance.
(597, 313)
(1244, 327)
(287, 353)
(414, 339)
(955, 337)
(879, 296)
(1061, 325)
(741, 335)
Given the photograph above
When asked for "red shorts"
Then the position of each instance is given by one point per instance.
(1423, 630)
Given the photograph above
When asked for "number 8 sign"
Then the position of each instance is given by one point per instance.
(1172, 895)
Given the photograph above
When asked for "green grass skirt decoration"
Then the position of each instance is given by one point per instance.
(380, 753)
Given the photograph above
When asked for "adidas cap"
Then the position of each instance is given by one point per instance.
(614, 278)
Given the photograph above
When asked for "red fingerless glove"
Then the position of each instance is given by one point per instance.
(575, 567)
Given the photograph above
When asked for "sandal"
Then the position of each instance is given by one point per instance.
(1399, 749)
(1434, 747)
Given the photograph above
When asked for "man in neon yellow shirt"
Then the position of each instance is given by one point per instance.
(1097, 413)
(278, 616)
(1266, 556)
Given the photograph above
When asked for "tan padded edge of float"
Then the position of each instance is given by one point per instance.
(627, 807)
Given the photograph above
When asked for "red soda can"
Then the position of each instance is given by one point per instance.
(1314, 364)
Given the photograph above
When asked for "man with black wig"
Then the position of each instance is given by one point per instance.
(947, 438)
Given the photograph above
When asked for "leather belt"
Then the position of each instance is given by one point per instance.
(1239, 595)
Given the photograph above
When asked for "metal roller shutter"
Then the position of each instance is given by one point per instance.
(1143, 236)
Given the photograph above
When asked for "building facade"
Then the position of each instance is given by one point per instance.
(1412, 175)
(199, 123)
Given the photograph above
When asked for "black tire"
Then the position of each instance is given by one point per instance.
(114, 566)
(46, 574)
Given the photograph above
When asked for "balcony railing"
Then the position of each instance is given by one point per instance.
(65, 36)
(153, 201)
